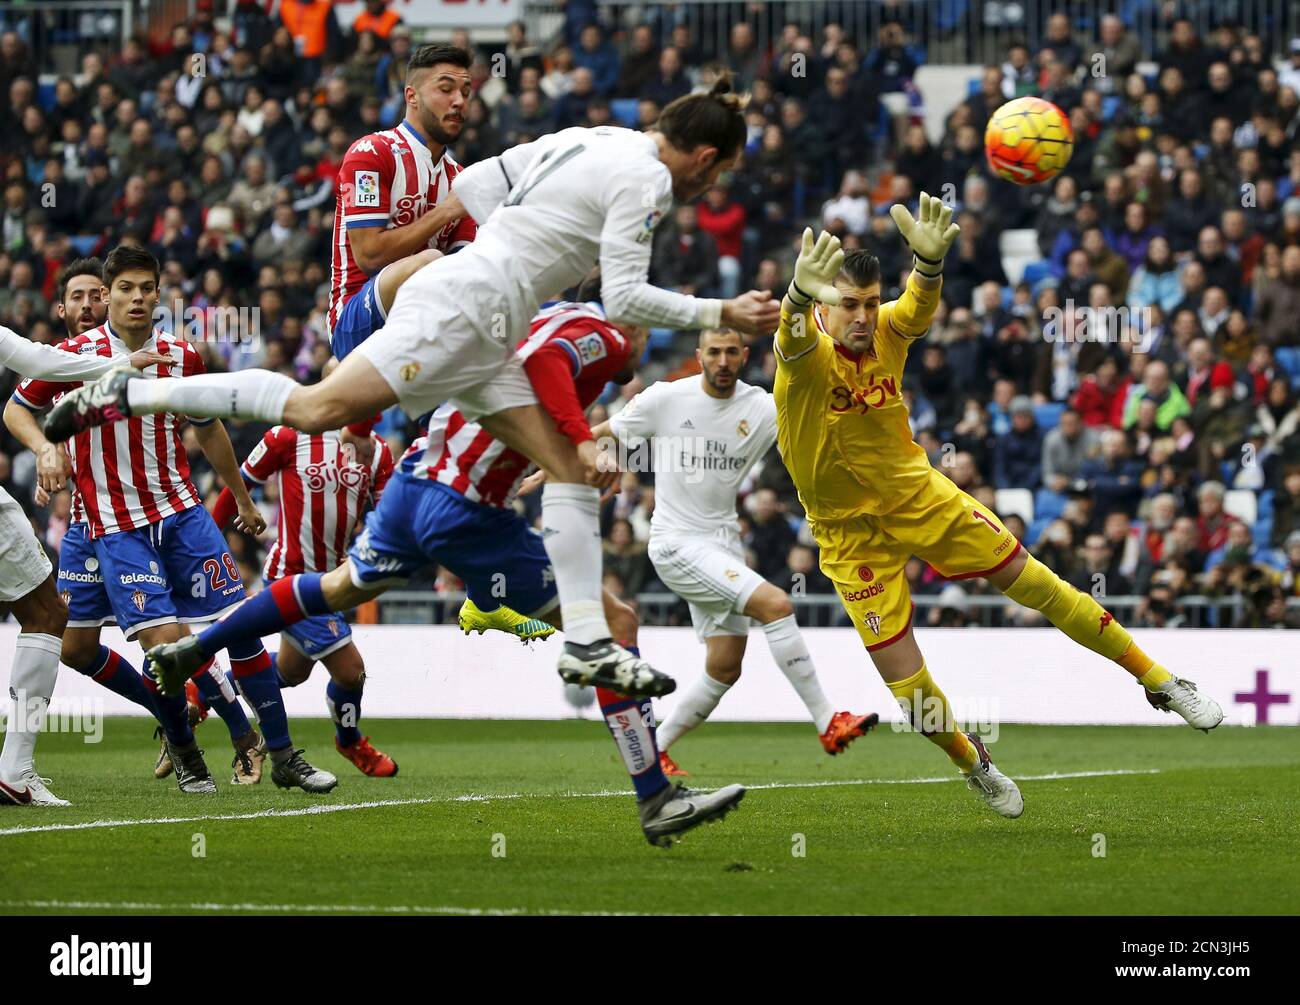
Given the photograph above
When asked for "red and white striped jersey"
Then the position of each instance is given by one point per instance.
(324, 492)
(135, 472)
(388, 179)
(460, 454)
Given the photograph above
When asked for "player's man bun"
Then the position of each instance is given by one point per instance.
(428, 56)
(714, 118)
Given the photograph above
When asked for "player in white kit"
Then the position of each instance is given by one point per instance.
(547, 212)
(27, 588)
(707, 432)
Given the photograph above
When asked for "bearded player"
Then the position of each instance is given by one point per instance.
(391, 211)
(695, 538)
(450, 504)
(873, 500)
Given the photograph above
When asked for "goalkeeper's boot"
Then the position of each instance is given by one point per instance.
(503, 619)
(250, 752)
(192, 773)
(368, 760)
(174, 663)
(991, 785)
(1178, 695)
(846, 727)
(94, 404)
(670, 767)
(668, 814)
(607, 664)
(291, 770)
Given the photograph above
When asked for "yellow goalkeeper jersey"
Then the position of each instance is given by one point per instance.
(842, 425)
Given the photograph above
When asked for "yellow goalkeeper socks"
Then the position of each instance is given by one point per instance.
(1084, 620)
(928, 710)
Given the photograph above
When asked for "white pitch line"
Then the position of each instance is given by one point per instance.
(504, 796)
(409, 909)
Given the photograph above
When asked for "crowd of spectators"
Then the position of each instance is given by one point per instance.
(218, 151)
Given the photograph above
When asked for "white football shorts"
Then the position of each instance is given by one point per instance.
(23, 565)
(710, 574)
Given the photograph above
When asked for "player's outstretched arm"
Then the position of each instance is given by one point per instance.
(215, 443)
(815, 270)
(929, 235)
(45, 362)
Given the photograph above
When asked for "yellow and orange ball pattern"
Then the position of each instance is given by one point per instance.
(1028, 141)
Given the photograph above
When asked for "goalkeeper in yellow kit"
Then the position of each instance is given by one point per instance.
(873, 500)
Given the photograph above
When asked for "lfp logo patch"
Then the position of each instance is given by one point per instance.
(367, 188)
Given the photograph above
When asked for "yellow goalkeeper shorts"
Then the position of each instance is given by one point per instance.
(865, 557)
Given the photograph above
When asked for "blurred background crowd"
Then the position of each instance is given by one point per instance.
(1156, 456)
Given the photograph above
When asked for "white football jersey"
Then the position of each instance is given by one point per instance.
(548, 211)
(702, 449)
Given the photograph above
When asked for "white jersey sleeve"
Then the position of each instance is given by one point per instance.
(44, 362)
(639, 420)
(483, 186)
(635, 201)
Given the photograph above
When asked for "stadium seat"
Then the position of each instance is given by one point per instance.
(1017, 249)
(1048, 505)
(1048, 416)
(1288, 358)
(1110, 106)
(1035, 530)
(1265, 500)
(660, 339)
(625, 110)
(1034, 271)
(1015, 502)
(84, 244)
(1242, 504)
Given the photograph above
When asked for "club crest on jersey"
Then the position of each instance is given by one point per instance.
(732, 575)
(138, 598)
(409, 372)
(66, 597)
(872, 619)
(367, 188)
(333, 626)
(742, 428)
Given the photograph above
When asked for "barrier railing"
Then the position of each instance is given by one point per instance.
(944, 31)
(407, 607)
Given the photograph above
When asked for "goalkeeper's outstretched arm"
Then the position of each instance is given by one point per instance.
(814, 280)
(929, 235)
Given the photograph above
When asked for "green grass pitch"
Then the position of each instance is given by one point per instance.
(524, 817)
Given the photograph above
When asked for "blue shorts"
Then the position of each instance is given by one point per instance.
(81, 583)
(175, 570)
(321, 634)
(419, 522)
(362, 315)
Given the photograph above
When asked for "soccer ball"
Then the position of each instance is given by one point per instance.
(1028, 141)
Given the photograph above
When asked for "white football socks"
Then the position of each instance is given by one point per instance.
(246, 394)
(692, 708)
(791, 655)
(571, 529)
(31, 683)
